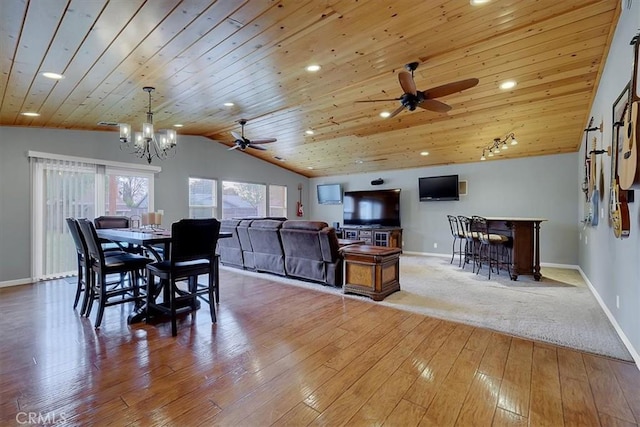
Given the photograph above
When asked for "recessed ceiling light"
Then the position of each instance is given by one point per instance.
(385, 114)
(309, 132)
(30, 114)
(313, 68)
(309, 167)
(178, 125)
(229, 104)
(478, 2)
(509, 84)
(424, 153)
(54, 76)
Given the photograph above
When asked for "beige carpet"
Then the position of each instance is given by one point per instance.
(559, 309)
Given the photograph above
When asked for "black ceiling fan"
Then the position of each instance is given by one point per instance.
(413, 98)
(243, 143)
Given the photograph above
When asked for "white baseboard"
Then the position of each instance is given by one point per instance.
(17, 282)
(612, 319)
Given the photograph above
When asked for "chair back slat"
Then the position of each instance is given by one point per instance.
(76, 234)
(454, 226)
(194, 239)
(92, 240)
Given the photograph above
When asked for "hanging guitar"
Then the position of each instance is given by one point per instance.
(587, 183)
(618, 204)
(595, 196)
(629, 170)
(299, 207)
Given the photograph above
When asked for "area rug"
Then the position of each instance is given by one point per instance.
(559, 309)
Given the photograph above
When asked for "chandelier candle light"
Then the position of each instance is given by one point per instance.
(147, 144)
(497, 145)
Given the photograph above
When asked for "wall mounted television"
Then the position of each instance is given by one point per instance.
(373, 208)
(329, 194)
(438, 188)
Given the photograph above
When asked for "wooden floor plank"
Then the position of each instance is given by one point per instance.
(546, 397)
(515, 389)
(607, 393)
(288, 356)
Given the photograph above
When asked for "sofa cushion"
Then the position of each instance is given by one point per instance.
(267, 247)
(229, 247)
(245, 244)
(304, 225)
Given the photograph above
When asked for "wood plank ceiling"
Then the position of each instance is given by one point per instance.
(200, 54)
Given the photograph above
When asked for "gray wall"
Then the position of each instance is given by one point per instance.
(613, 265)
(196, 157)
(541, 187)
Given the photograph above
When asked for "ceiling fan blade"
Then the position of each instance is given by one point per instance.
(257, 147)
(397, 110)
(434, 105)
(407, 83)
(263, 141)
(380, 100)
(449, 88)
(233, 148)
(236, 135)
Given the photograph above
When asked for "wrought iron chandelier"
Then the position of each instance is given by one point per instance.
(147, 144)
(498, 145)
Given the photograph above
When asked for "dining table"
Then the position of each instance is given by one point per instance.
(158, 243)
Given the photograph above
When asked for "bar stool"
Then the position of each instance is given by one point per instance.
(458, 237)
(471, 241)
(493, 247)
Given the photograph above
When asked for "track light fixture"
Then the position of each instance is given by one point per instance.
(498, 145)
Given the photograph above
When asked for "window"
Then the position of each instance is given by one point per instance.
(203, 200)
(126, 193)
(241, 199)
(278, 200)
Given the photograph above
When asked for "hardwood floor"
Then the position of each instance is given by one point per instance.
(283, 355)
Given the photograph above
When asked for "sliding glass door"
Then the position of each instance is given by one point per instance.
(69, 187)
(61, 189)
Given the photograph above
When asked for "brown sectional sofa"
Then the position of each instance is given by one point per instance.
(302, 249)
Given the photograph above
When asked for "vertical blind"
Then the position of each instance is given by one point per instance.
(61, 189)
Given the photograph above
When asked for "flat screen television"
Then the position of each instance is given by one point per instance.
(375, 208)
(329, 194)
(438, 188)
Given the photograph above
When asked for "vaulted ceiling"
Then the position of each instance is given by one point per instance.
(200, 54)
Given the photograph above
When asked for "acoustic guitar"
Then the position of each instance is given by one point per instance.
(629, 170)
(618, 204)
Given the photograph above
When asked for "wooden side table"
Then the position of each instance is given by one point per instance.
(373, 271)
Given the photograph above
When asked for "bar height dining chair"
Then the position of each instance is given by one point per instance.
(192, 254)
(84, 264)
(471, 242)
(493, 247)
(458, 237)
(127, 265)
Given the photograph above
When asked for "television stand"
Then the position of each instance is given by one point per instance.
(374, 235)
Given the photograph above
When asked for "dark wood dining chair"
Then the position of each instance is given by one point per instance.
(84, 265)
(127, 265)
(192, 254)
